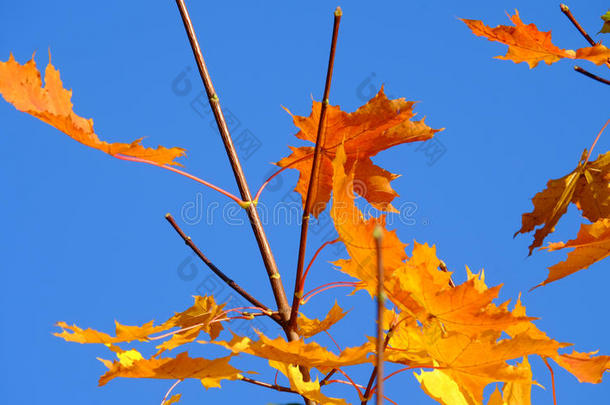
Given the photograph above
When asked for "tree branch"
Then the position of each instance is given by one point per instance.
(257, 227)
(315, 169)
(591, 75)
(565, 9)
(267, 385)
(378, 234)
(219, 273)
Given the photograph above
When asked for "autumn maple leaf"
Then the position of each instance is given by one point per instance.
(591, 245)
(21, 85)
(356, 232)
(131, 364)
(200, 317)
(308, 389)
(586, 186)
(298, 352)
(378, 125)
(310, 327)
(527, 44)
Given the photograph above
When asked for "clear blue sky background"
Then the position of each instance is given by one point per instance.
(84, 239)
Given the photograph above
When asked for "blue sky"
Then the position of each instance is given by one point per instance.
(84, 239)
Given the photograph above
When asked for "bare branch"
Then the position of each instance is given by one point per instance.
(257, 227)
(591, 75)
(315, 169)
(220, 273)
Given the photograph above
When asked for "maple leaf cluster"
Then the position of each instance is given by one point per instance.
(587, 186)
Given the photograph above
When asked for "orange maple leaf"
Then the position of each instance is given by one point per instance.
(356, 233)
(591, 245)
(527, 44)
(21, 85)
(586, 187)
(585, 366)
(378, 125)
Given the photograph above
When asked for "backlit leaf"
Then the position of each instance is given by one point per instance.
(378, 125)
(21, 85)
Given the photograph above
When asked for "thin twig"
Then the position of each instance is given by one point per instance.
(313, 259)
(568, 13)
(552, 379)
(378, 234)
(267, 385)
(591, 75)
(595, 141)
(315, 168)
(327, 377)
(288, 166)
(183, 173)
(369, 385)
(325, 287)
(257, 227)
(169, 391)
(357, 386)
(219, 273)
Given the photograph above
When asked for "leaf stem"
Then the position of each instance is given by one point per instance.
(357, 386)
(183, 173)
(169, 391)
(327, 286)
(315, 168)
(596, 139)
(591, 75)
(189, 242)
(566, 10)
(313, 259)
(288, 166)
(257, 227)
(552, 379)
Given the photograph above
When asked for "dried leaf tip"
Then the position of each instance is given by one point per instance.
(338, 12)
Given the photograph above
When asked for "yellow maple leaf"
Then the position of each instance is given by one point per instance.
(298, 352)
(310, 327)
(195, 319)
(131, 364)
(308, 389)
